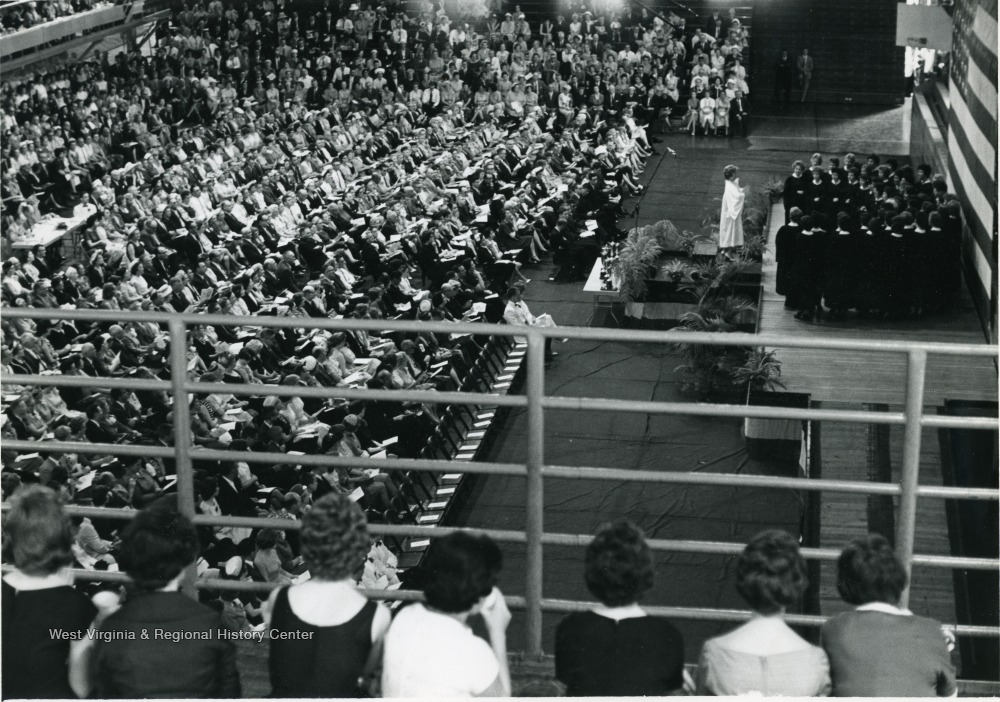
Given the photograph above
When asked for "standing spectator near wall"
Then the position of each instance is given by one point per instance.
(783, 70)
(805, 65)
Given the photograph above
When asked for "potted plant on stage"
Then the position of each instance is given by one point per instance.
(707, 370)
(760, 376)
(633, 268)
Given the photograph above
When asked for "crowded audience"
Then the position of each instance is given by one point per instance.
(263, 161)
(876, 238)
(16, 15)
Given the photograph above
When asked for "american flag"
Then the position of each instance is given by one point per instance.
(972, 136)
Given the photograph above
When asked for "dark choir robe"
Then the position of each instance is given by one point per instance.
(919, 268)
(951, 261)
(794, 194)
(817, 199)
(893, 250)
(807, 274)
(867, 246)
(838, 199)
(840, 281)
(784, 254)
(937, 254)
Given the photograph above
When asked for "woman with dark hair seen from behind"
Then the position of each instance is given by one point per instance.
(880, 649)
(765, 656)
(38, 597)
(338, 625)
(617, 649)
(162, 643)
(430, 650)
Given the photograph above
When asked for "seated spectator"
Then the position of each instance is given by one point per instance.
(430, 650)
(266, 559)
(765, 656)
(880, 649)
(38, 597)
(340, 627)
(187, 659)
(618, 649)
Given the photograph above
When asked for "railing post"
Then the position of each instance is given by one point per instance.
(535, 389)
(916, 371)
(182, 431)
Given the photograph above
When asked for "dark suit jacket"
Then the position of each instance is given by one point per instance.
(158, 666)
(233, 502)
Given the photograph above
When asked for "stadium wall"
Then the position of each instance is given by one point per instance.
(853, 43)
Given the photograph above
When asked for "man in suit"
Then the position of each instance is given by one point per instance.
(715, 25)
(739, 113)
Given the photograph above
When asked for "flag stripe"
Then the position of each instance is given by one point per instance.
(985, 27)
(982, 151)
(983, 90)
(978, 209)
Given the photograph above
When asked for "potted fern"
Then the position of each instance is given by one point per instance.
(633, 268)
(760, 377)
(707, 370)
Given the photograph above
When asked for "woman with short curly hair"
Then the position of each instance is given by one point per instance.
(330, 634)
(38, 597)
(880, 649)
(616, 648)
(764, 656)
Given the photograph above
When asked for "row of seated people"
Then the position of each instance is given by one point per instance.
(306, 219)
(326, 639)
(61, 130)
(16, 16)
(878, 238)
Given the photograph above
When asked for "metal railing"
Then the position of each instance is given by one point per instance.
(534, 469)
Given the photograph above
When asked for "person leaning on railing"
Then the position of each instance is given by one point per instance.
(616, 648)
(765, 656)
(880, 649)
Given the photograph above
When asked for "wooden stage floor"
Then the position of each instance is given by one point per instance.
(876, 377)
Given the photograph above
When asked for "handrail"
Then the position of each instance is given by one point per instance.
(535, 469)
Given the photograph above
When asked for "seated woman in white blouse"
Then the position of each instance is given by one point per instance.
(765, 656)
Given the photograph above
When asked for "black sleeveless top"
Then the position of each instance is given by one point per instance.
(326, 662)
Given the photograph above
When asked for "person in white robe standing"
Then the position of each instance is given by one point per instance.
(731, 218)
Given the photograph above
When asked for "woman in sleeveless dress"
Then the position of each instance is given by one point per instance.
(325, 635)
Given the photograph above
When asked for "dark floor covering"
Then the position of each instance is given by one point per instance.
(681, 188)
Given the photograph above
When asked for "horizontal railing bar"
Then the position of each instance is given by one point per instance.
(85, 381)
(458, 398)
(514, 469)
(763, 481)
(466, 398)
(948, 421)
(582, 333)
(704, 613)
(423, 464)
(474, 399)
(511, 536)
(720, 410)
(58, 447)
(517, 602)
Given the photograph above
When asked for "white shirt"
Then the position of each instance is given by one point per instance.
(432, 655)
